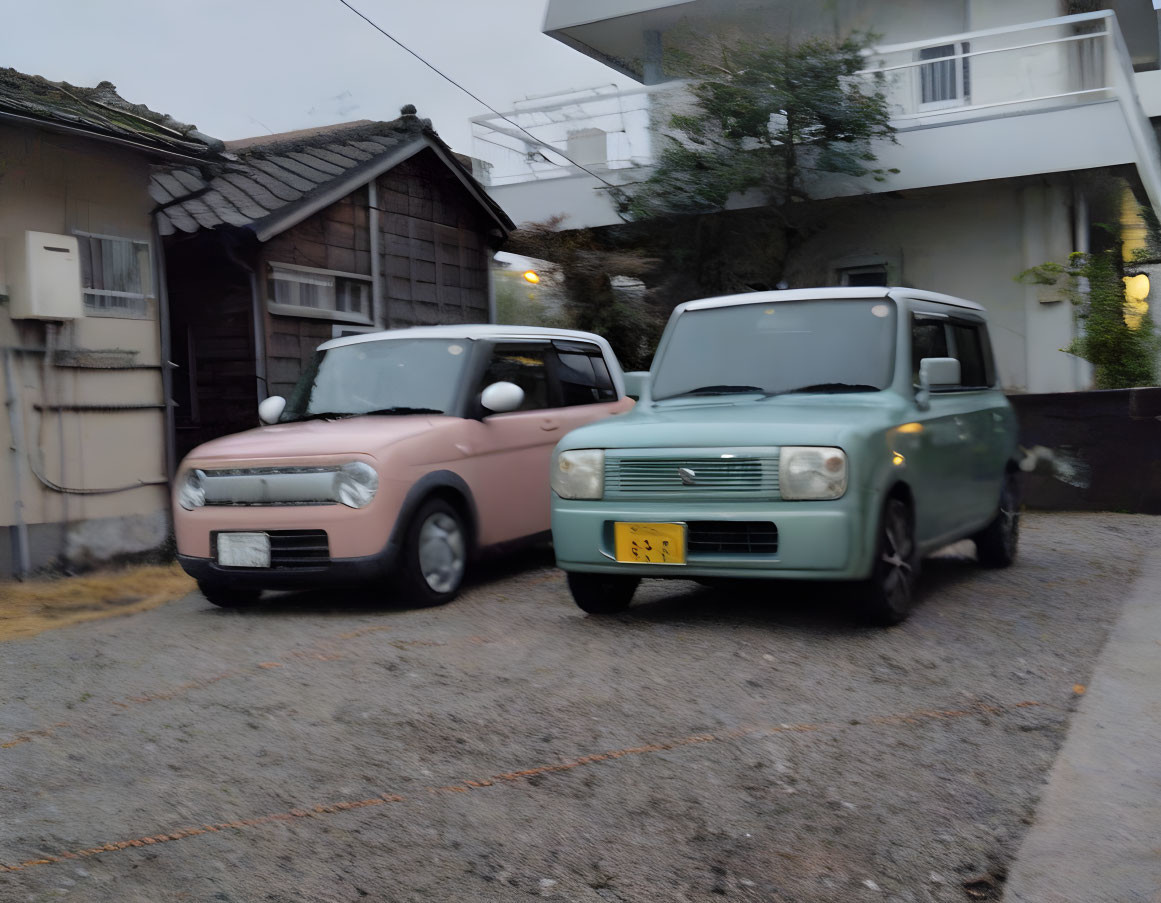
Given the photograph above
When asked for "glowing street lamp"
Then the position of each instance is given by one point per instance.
(532, 276)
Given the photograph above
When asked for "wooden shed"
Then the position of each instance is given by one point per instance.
(306, 236)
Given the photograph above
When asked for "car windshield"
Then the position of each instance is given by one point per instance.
(775, 348)
(389, 376)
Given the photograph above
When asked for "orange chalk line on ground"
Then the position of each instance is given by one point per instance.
(27, 736)
(308, 655)
(468, 786)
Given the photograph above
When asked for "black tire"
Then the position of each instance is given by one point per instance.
(889, 595)
(996, 543)
(435, 555)
(602, 594)
(224, 595)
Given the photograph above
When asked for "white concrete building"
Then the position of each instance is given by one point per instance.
(1000, 108)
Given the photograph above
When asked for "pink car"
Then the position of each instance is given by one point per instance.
(399, 455)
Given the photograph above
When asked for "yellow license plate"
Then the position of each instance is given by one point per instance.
(650, 543)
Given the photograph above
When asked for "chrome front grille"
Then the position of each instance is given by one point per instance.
(691, 476)
(270, 486)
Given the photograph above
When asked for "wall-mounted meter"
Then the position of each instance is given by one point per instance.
(44, 277)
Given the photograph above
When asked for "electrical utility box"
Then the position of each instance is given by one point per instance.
(44, 277)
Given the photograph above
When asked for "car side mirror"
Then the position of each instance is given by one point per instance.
(935, 373)
(271, 409)
(502, 397)
(636, 383)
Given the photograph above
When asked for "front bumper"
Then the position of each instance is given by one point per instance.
(323, 572)
(816, 540)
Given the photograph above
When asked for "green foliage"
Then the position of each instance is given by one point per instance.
(587, 265)
(767, 117)
(519, 305)
(1122, 357)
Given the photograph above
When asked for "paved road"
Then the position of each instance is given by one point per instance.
(507, 747)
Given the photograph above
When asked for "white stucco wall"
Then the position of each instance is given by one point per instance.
(971, 242)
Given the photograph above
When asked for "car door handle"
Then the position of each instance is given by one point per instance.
(548, 424)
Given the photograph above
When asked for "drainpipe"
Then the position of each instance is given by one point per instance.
(167, 364)
(652, 71)
(377, 306)
(21, 561)
(261, 387)
(1080, 243)
(491, 287)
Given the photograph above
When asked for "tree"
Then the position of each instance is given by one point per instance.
(1121, 344)
(768, 120)
(588, 264)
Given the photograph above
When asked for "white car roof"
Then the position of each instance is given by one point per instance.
(468, 331)
(831, 293)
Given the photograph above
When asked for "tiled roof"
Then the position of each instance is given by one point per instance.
(276, 181)
(100, 112)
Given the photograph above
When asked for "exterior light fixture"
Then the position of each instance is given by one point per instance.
(1136, 291)
(532, 276)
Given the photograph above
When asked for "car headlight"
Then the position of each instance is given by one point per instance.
(579, 474)
(191, 491)
(809, 472)
(356, 484)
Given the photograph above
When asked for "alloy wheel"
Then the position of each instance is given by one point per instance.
(895, 557)
(441, 552)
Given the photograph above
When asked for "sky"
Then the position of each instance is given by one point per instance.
(239, 68)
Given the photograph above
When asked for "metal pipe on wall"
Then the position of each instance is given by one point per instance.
(377, 307)
(167, 364)
(257, 310)
(21, 557)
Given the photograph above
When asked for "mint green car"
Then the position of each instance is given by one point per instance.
(818, 434)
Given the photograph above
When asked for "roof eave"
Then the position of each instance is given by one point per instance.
(292, 214)
(152, 150)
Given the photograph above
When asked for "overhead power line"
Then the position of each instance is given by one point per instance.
(477, 99)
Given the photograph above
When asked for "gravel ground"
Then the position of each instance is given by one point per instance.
(754, 745)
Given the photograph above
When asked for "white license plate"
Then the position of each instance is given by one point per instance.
(244, 550)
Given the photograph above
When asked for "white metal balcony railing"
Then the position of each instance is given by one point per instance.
(1016, 70)
(602, 129)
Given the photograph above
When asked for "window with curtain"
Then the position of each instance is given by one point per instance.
(320, 292)
(946, 79)
(115, 276)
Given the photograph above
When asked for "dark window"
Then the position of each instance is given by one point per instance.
(824, 344)
(524, 365)
(928, 339)
(380, 374)
(947, 78)
(582, 374)
(876, 274)
(969, 351)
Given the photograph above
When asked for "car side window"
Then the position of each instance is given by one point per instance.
(970, 340)
(524, 364)
(928, 339)
(582, 374)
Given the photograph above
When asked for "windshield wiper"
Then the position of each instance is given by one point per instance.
(719, 390)
(399, 410)
(343, 415)
(320, 415)
(833, 387)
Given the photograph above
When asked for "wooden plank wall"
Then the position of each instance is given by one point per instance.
(290, 345)
(214, 384)
(434, 246)
(335, 238)
(434, 259)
